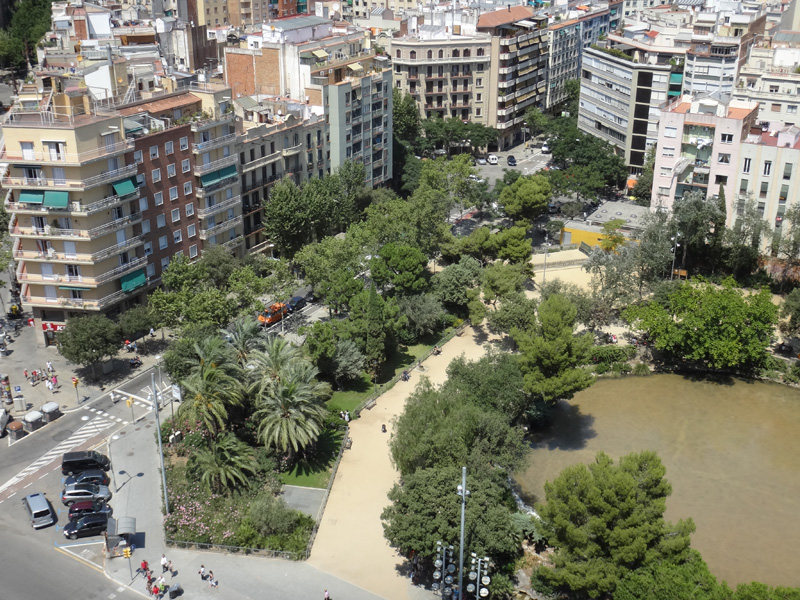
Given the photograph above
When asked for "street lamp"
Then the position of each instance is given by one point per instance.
(444, 571)
(481, 581)
(158, 435)
(546, 252)
(675, 247)
(161, 388)
(463, 492)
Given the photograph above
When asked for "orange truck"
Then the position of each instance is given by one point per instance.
(273, 314)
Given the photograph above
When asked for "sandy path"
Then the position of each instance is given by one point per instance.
(350, 542)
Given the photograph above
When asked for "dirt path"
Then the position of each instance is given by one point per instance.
(350, 542)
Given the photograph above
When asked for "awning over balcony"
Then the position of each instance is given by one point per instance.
(124, 187)
(31, 197)
(73, 287)
(131, 281)
(320, 54)
(355, 67)
(56, 199)
(216, 176)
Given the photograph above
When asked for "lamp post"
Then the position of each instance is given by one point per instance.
(675, 246)
(462, 491)
(479, 565)
(161, 388)
(546, 252)
(158, 435)
(444, 571)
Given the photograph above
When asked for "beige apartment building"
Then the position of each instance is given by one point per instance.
(102, 196)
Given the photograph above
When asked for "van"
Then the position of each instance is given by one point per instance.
(77, 462)
(39, 510)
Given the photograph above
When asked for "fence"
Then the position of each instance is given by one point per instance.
(238, 550)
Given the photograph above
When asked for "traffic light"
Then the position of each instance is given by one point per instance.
(126, 552)
(74, 382)
(130, 402)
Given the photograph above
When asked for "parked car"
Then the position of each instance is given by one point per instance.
(492, 159)
(4, 417)
(546, 148)
(511, 161)
(296, 303)
(476, 179)
(273, 314)
(84, 491)
(85, 526)
(481, 160)
(39, 510)
(97, 476)
(89, 507)
(77, 462)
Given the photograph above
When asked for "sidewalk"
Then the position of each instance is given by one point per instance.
(136, 485)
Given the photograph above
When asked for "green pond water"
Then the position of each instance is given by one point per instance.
(732, 453)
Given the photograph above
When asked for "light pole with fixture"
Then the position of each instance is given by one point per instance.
(675, 246)
(479, 573)
(444, 571)
(463, 492)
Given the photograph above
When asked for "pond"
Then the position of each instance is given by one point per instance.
(732, 452)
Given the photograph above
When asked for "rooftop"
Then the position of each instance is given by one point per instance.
(504, 16)
(161, 105)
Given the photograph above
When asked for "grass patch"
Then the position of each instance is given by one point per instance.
(315, 470)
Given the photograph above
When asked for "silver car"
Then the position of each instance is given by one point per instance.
(84, 491)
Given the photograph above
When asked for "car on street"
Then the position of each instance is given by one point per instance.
(85, 526)
(76, 462)
(481, 160)
(511, 161)
(97, 476)
(273, 314)
(546, 148)
(84, 491)
(39, 511)
(492, 159)
(475, 179)
(296, 303)
(89, 507)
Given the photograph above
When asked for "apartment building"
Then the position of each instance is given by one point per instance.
(332, 67)
(244, 13)
(700, 143)
(102, 195)
(214, 12)
(620, 101)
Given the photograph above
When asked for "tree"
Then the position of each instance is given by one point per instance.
(688, 580)
(696, 217)
(424, 315)
(643, 189)
(373, 323)
(513, 245)
(791, 309)
(553, 229)
(210, 391)
(225, 464)
(551, 353)
(789, 244)
(536, 121)
(208, 306)
(400, 266)
(245, 335)
(516, 311)
(501, 280)
(339, 289)
(286, 220)
(218, 264)
(87, 340)
(182, 353)
(586, 181)
(451, 284)
(29, 23)
(247, 287)
(12, 53)
(405, 116)
(349, 362)
(713, 325)
(743, 241)
(527, 198)
(606, 521)
(612, 237)
(136, 322)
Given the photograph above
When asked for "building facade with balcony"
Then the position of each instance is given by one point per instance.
(700, 148)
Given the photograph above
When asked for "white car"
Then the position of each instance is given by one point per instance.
(492, 159)
(546, 148)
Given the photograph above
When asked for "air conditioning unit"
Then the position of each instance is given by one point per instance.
(76, 206)
(330, 71)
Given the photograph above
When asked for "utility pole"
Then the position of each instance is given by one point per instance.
(463, 492)
(158, 435)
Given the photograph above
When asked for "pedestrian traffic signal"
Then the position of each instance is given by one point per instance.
(74, 382)
(126, 552)
(130, 402)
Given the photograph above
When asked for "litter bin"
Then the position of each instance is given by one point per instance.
(19, 404)
(33, 420)
(15, 430)
(50, 411)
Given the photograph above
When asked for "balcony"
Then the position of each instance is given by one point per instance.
(219, 207)
(202, 192)
(71, 234)
(76, 303)
(260, 162)
(230, 244)
(69, 184)
(121, 270)
(215, 143)
(291, 151)
(230, 223)
(212, 121)
(66, 158)
(52, 256)
(215, 165)
(75, 208)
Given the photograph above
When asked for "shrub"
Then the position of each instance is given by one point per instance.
(641, 369)
(270, 516)
(247, 535)
(609, 353)
(602, 368)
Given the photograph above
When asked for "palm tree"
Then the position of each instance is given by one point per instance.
(210, 390)
(214, 352)
(245, 335)
(266, 366)
(225, 463)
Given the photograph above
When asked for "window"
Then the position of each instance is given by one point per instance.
(173, 192)
(187, 188)
(146, 226)
(184, 143)
(727, 138)
(746, 168)
(192, 251)
(666, 171)
(169, 147)
(165, 260)
(143, 203)
(479, 82)
(176, 215)
(156, 175)
(478, 97)
(721, 179)
(480, 51)
(148, 248)
(191, 230)
(171, 172)
(190, 209)
(162, 243)
(430, 53)
(743, 185)
(151, 270)
(153, 152)
(787, 171)
(177, 236)
(767, 167)
(185, 165)
(161, 220)
(775, 108)
(138, 157)
(791, 109)
(670, 132)
(668, 151)
(478, 112)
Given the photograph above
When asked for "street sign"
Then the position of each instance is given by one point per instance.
(17, 389)
(176, 392)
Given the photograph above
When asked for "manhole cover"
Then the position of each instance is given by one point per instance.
(62, 435)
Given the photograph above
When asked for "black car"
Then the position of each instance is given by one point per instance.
(511, 161)
(85, 526)
(296, 303)
(88, 507)
(97, 476)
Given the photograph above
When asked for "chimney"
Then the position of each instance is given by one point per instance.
(509, 8)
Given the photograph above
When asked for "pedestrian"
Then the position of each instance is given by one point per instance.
(27, 378)
(152, 332)
(144, 567)
(160, 581)
(327, 595)
(341, 414)
(34, 377)
(202, 572)
(347, 416)
(55, 381)
(211, 581)
(163, 563)
(169, 568)
(49, 385)
(50, 367)
(156, 591)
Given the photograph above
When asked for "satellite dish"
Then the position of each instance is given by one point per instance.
(335, 7)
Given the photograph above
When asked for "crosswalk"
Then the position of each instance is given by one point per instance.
(92, 428)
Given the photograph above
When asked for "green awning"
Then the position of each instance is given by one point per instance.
(56, 199)
(72, 287)
(675, 77)
(212, 178)
(131, 281)
(124, 187)
(31, 197)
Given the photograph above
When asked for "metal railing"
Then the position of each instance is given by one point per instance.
(86, 280)
(80, 303)
(102, 151)
(218, 185)
(292, 150)
(220, 206)
(49, 231)
(264, 552)
(216, 119)
(215, 143)
(261, 161)
(215, 165)
(52, 255)
(234, 242)
(207, 233)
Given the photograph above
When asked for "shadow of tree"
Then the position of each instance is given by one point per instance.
(322, 456)
(569, 429)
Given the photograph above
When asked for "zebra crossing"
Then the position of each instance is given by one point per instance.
(91, 429)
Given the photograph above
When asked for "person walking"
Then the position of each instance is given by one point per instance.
(27, 377)
(50, 367)
(327, 595)
(202, 572)
(211, 581)
(169, 568)
(55, 381)
(163, 563)
(347, 416)
(49, 385)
